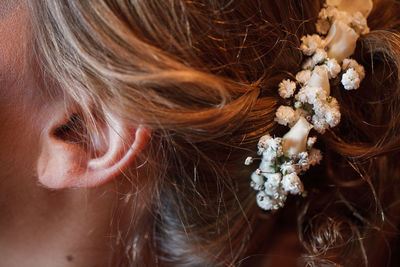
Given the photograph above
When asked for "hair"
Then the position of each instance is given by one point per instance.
(192, 72)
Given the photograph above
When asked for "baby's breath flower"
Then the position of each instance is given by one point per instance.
(351, 63)
(285, 115)
(311, 141)
(310, 43)
(351, 79)
(292, 184)
(333, 68)
(287, 88)
(319, 56)
(264, 201)
(257, 179)
(288, 167)
(314, 157)
(303, 76)
(248, 161)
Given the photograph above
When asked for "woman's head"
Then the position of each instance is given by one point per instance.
(166, 98)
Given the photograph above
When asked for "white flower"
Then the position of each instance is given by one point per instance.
(310, 43)
(288, 167)
(303, 155)
(310, 95)
(263, 144)
(286, 116)
(248, 161)
(332, 114)
(266, 165)
(295, 141)
(308, 64)
(274, 179)
(332, 67)
(351, 79)
(287, 88)
(319, 56)
(257, 180)
(351, 63)
(303, 76)
(314, 157)
(264, 201)
(359, 23)
(319, 124)
(341, 41)
(274, 143)
(292, 184)
(311, 141)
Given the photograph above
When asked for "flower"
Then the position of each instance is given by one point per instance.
(287, 88)
(311, 141)
(274, 179)
(319, 56)
(314, 157)
(303, 76)
(257, 179)
(310, 95)
(295, 140)
(286, 116)
(308, 64)
(287, 167)
(266, 165)
(359, 23)
(351, 79)
(248, 161)
(264, 201)
(310, 43)
(341, 41)
(319, 123)
(292, 184)
(262, 143)
(332, 67)
(351, 63)
(351, 7)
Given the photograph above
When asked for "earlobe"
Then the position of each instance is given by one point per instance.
(65, 164)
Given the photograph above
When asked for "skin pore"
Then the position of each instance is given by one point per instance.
(41, 226)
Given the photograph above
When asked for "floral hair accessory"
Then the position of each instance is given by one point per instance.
(340, 23)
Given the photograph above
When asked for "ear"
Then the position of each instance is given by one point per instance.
(66, 161)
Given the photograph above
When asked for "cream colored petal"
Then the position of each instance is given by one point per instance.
(295, 141)
(320, 78)
(352, 6)
(341, 41)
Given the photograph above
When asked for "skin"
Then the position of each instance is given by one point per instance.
(41, 226)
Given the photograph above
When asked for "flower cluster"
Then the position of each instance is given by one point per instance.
(327, 57)
(340, 24)
(277, 175)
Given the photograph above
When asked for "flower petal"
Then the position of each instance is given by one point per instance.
(295, 141)
(353, 6)
(341, 41)
(320, 78)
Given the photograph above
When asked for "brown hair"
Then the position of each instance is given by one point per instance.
(192, 71)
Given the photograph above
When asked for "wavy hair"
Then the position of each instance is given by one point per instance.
(192, 71)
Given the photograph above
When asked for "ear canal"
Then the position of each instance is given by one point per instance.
(69, 158)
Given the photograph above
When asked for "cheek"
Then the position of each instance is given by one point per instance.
(19, 105)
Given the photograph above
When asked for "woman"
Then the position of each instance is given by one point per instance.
(124, 126)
